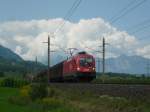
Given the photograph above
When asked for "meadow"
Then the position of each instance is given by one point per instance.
(69, 101)
(6, 106)
(19, 95)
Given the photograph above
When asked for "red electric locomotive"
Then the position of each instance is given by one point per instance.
(80, 67)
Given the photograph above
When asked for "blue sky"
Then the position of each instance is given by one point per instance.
(27, 10)
(44, 9)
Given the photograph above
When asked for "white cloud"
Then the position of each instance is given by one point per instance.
(18, 50)
(2, 41)
(26, 37)
(145, 51)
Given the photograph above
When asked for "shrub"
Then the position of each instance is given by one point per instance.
(50, 103)
(11, 82)
(25, 90)
(38, 91)
(19, 100)
(55, 105)
(53, 92)
(2, 74)
(7, 82)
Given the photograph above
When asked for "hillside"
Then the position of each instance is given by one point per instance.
(127, 64)
(11, 62)
(8, 54)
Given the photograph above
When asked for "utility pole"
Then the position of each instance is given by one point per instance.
(99, 69)
(48, 58)
(103, 51)
(103, 54)
(35, 65)
(148, 68)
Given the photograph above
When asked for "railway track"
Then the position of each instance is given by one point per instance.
(131, 91)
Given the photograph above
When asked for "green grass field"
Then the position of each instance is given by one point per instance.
(6, 106)
(81, 102)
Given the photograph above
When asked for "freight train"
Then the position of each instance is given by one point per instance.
(80, 67)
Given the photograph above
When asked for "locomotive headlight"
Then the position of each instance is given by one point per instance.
(78, 68)
(93, 68)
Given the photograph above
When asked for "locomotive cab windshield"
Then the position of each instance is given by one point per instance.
(86, 62)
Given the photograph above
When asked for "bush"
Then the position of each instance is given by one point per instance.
(53, 92)
(38, 91)
(50, 103)
(2, 74)
(25, 90)
(19, 100)
(11, 82)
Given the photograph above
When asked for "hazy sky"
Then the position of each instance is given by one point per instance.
(22, 20)
(45, 9)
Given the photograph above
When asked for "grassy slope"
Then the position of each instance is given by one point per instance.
(85, 102)
(89, 102)
(5, 106)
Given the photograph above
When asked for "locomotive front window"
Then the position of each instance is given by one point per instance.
(86, 61)
(89, 60)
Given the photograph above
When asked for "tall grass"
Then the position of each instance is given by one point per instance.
(105, 79)
(12, 82)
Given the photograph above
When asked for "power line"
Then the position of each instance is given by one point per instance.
(69, 14)
(140, 29)
(60, 47)
(71, 50)
(139, 25)
(92, 49)
(127, 11)
(67, 17)
(122, 10)
(72, 10)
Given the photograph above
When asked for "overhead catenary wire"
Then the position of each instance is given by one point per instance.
(141, 24)
(122, 10)
(68, 51)
(127, 11)
(140, 29)
(68, 15)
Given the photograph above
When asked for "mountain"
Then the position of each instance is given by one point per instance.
(11, 62)
(8, 54)
(127, 64)
(122, 64)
